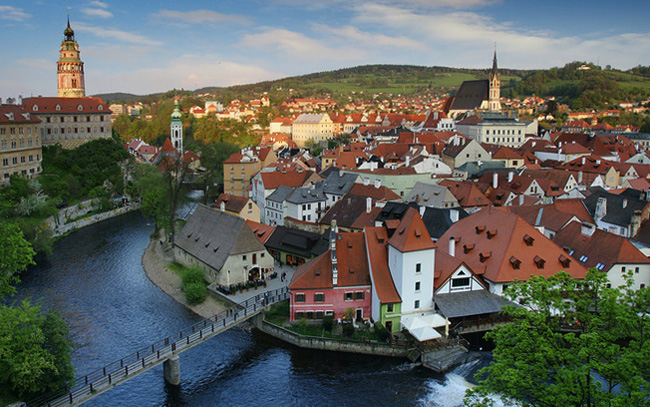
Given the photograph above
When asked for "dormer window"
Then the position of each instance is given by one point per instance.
(539, 262)
(100, 107)
(528, 240)
(480, 229)
(58, 108)
(491, 233)
(564, 260)
(468, 247)
(35, 108)
(515, 262)
(484, 256)
(80, 108)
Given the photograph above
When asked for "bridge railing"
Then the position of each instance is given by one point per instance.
(117, 371)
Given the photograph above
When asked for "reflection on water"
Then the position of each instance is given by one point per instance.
(95, 279)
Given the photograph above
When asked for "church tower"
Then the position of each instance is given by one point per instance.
(495, 86)
(177, 129)
(70, 69)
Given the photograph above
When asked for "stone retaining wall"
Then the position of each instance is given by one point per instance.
(62, 229)
(337, 345)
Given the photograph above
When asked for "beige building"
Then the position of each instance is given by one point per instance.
(20, 143)
(70, 122)
(241, 206)
(312, 126)
(240, 167)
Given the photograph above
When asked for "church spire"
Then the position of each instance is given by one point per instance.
(495, 85)
(495, 69)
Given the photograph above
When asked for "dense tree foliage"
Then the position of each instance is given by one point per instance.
(212, 157)
(571, 343)
(34, 345)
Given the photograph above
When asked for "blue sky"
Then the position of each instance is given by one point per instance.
(144, 46)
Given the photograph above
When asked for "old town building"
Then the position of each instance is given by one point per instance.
(20, 152)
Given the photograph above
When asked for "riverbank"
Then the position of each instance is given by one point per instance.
(155, 261)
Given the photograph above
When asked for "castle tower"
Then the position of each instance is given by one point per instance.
(495, 86)
(70, 69)
(176, 128)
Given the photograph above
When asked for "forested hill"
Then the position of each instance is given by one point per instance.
(592, 87)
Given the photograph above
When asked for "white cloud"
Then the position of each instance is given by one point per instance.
(201, 17)
(98, 3)
(119, 35)
(188, 72)
(13, 14)
(353, 34)
(298, 46)
(97, 12)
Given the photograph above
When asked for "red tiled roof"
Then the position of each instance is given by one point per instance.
(232, 203)
(411, 235)
(489, 239)
(381, 193)
(261, 231)
(376, 238)
(48, 105)
(20, 116)
(291, 178)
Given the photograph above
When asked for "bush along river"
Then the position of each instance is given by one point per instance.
(95, 279)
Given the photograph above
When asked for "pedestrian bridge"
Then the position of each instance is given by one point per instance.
(164, 352)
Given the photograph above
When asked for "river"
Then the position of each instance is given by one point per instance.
(96, 281)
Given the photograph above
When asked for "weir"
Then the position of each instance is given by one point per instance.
(165, 351)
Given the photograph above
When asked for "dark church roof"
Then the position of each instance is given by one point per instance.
(471, 94)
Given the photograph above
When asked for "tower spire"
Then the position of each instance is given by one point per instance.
(495, 69)
(70, 69)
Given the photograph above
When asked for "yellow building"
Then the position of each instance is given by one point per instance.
(240, 167)
(312, 126)
(20, 143)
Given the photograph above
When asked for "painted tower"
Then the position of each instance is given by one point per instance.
(70, 69)
(177, 129)
(495, 86)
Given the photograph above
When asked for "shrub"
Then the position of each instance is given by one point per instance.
(328, 323)
(195, 293)
(193, 275)
(348, 330)
(382, 332)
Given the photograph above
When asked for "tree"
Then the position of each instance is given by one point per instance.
(149, 185)
(212, 157)
(571, 343)
(16, 254)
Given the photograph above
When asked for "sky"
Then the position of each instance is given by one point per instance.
(150, 46)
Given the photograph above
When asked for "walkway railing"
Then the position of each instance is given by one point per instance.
(115, 373)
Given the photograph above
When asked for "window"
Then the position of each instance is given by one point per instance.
(623, 269)
(642, 285)
(5, 162)
(349, 296)
(243, 257)
(636, 270)
(358, 295)
(300, 297)
(319, 297)
(418, 268)
(417, 304)
(460, 282)
(417, 286)
(300, 315)
(389, 307)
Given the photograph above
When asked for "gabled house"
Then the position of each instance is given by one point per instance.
(462, 151)
(621, 214)
(240, 206)
(333, 282)
(609, 253)
(431, 195)
(223, 246)
(501, 247)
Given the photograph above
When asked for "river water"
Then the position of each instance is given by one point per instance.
(96, 281)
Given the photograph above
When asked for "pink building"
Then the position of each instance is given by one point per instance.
(333, 282)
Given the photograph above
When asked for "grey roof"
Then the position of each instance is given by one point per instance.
(298, 242)
(339, 183)
(306, 195)
(431, 195)
(467, 303)
(471, 94)
(211, 236)
(620, 207)
(436, 220)
(309, 118)
(280, 194)
(474, 170)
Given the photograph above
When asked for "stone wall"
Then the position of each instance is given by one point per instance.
(337, 345)
(61, 228)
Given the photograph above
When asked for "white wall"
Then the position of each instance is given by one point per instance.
(403, 270)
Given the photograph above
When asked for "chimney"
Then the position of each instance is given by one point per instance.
(335, 271)
(583, 161)
(636, 223)
(366, 181)
(452, 247)
(422, 208)
(521, 199)
(624, 203)
(511, 176)
(222, 206)
(601, 208)
(453, 215)
(368, 204)
(587, 229)
(377, 183)
(580, 177)
(495, 180)
(408, 160)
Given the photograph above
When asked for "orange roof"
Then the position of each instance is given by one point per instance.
(48, 105)
(506, 248)
(411, 235)
(445, 266)
(261, 231)
(381, 193)
(376, 238)
(290, 178)
(351, 260)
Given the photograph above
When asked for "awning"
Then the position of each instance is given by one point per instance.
(468, 303)
(422, 327)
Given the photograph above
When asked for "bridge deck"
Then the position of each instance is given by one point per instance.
(130, 366)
